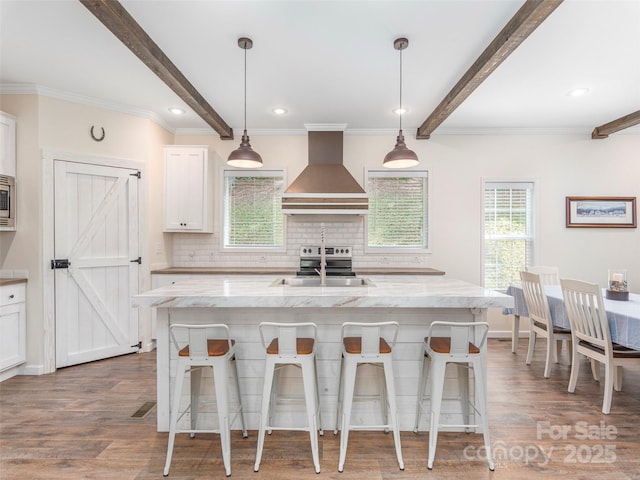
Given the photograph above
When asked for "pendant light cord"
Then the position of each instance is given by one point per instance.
(401, 113)
(245, 87)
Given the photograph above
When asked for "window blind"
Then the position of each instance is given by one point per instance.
(508, 232)
(253, 209)
(397, 209)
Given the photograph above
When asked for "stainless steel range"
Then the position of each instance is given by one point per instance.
(338, 261)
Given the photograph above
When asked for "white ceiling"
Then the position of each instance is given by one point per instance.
(334, 61)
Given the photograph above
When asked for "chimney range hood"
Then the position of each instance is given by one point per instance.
(325, 186)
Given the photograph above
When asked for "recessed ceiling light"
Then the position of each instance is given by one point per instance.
(400, 111)
(578, 92)
(176, 111)
(279, 111)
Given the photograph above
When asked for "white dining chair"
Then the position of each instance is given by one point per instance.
(541, 323)
(592, 338)
(548, 275)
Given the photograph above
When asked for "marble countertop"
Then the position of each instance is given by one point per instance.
(386, 291)
(287, 271)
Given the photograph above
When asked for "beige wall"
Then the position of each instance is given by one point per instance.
(47, 124)
(561, 165)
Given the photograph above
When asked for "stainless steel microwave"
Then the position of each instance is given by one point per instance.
(7, 201)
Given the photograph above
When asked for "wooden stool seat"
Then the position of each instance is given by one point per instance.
(215, 348)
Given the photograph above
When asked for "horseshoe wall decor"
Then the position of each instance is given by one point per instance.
(96, 138)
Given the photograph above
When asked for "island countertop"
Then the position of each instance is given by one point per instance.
(385, 291)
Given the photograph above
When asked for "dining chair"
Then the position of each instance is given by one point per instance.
(592, 338)
(548, 275)
(541, 323)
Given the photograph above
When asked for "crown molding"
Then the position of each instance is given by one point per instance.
(34, 89)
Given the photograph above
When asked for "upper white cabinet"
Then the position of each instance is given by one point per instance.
(7, 145)
(188, 189)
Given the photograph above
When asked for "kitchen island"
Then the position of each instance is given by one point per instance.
(243, 301)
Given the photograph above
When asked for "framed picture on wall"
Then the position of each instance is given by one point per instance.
(601, 212)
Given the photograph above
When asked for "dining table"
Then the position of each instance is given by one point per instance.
(623, 315)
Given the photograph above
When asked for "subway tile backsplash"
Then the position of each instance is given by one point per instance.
(202, 250)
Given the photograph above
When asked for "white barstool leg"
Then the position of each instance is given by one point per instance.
(463, 388)
(419, 394)
(173, 417)
(393, 409)
(348, 386)
(195, 384)
(311, 395)
(480, 375)
(221, 380)
(264, 411)
(437, 386)
(340, 395)
(234, 372)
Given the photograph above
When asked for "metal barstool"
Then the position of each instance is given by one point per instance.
(457, 347)
(363, 343)
(290, 344)
(197, 351)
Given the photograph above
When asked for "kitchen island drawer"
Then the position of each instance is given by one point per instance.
(10, 294)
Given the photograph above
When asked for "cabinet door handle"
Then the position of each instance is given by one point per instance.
(11, 296)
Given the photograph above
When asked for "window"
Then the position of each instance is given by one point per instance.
(397, 209)
(508, 232)
(253, 208)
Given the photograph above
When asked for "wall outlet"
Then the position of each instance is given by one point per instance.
(158, 248)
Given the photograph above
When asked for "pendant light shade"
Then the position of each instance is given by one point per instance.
(244, 156)
(400, 156)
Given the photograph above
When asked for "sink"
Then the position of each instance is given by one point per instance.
(315, 282)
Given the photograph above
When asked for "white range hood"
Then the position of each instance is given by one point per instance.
(325, 186)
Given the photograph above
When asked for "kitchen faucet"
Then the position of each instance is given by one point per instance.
(323, 259)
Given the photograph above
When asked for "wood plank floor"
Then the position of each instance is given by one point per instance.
(76, 423)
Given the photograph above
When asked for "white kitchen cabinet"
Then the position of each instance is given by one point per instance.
(188, 189)
(7, 145)
(12, 326)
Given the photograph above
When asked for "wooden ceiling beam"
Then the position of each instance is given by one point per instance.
(114, 16)
(525, 21)
(603, 131)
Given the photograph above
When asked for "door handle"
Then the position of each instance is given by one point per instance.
(60, 263)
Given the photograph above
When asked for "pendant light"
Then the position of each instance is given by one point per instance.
(400, 156)
(244, 156)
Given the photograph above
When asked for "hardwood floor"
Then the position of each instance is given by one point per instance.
(77, 423)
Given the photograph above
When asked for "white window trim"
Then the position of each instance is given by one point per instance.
(238, 172)
(534, 217)
(399, 250)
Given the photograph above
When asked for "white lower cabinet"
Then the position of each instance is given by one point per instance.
(12, 327)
